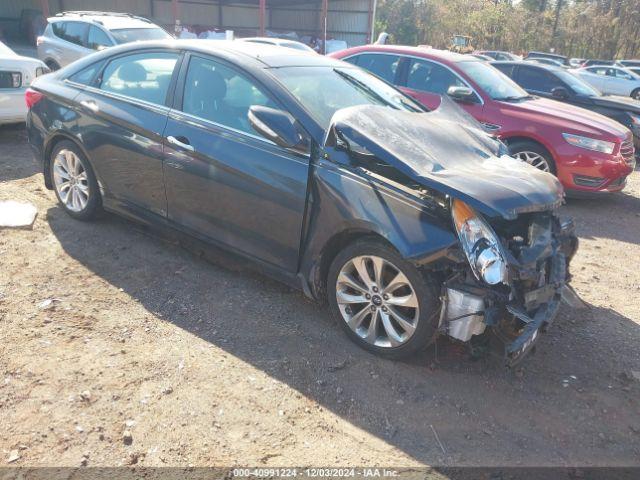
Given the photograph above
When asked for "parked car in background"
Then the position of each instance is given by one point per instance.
(500, 55)
(587, 151)
(591, 62)
(552, 56)
(611, 80)
(628, 63)
(576, 62)
(407, 222)
(281, 42)
(546, 61)
(559, 84)
(16, 74)
(72, 35)
(479, 56)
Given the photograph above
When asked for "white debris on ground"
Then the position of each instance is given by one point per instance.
(17, 214)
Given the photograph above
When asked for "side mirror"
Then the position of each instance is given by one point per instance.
(560, 93)
(275, 125)
(461, 94)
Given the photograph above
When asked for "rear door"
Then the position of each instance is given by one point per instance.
(223, 180)
(596, 76)
(73, 41)
(122, 117)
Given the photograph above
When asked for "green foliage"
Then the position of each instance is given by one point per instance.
(582, 28)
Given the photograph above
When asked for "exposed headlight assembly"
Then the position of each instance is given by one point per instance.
(480, 244)
(589, 143)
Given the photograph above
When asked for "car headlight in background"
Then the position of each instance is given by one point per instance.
(589, 143)
(480, 244)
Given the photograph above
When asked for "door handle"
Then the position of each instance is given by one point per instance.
(90, 104)
(179, 143)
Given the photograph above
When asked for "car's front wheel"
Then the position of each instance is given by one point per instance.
(636, 94)
(533, 154)
(74, 181)
(383, 302)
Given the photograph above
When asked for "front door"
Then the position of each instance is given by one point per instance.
(225, 181)
(122, 118)
(428, 82)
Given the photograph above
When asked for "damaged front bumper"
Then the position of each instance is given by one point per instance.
(538, 260)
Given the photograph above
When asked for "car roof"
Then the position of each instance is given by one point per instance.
(434, 53)
(542, 66)
(264, 55)
(110, 21)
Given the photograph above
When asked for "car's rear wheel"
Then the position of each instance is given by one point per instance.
(52, 64)
(636, 94)
(533, 154)
(381, 300)
(74, 181)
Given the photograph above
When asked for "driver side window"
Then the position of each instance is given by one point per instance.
(431, 77)
(215, 92)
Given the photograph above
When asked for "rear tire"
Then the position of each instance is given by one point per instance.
(534, 154)
(405, 304)
(52, 64)
(636, 94)
(74, 182)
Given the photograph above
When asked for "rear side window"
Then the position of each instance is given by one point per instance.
(74, 32)
(144, 76)
(86, 75)
(98, 39)
(431, 77)
(383, 65)
(223, 95)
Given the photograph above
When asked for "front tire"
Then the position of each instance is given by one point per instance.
(74, 182)
(382, 301)
(534, 154)
(636, 94)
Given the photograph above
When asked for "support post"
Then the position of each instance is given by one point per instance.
(323, 24)
(263, 15)
(44, 6)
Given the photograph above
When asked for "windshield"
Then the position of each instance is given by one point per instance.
(495, 83)
(578, 86)
(325, 90)
(126, 35)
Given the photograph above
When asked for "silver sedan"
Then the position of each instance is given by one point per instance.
(611, 80)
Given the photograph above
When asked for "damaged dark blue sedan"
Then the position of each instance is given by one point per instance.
(410, 223)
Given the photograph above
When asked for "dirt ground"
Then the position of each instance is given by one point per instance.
(118, 348)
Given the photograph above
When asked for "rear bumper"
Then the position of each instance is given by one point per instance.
(13, 108)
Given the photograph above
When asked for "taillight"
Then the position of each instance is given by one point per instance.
(39, 41)
(32, 97)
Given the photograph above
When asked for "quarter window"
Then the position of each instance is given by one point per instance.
(144, 76)
(382, 65)
(431, 77)
(74, 32)
(98, 39)
(215, 92)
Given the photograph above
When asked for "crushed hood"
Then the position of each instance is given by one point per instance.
(448, 151)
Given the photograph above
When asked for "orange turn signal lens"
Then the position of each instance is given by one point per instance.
(461, 212)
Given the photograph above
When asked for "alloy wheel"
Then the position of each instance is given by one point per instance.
(70, 179)
(534, 159)
(377, 301)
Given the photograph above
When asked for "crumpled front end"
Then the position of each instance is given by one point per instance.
(538, 248)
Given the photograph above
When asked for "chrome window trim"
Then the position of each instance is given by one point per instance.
(118, 96)
(401, 55)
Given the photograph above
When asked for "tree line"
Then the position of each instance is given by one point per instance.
(602, 29)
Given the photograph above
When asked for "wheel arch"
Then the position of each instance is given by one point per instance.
(521, 138)
(51, 142)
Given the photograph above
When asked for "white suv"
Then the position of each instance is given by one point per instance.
(72, 35)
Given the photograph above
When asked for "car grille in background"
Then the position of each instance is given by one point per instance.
(10, 79)
(627, 151)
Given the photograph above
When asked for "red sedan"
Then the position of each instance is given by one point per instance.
(587, 151)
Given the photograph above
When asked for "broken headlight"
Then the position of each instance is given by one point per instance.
(480, 244)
